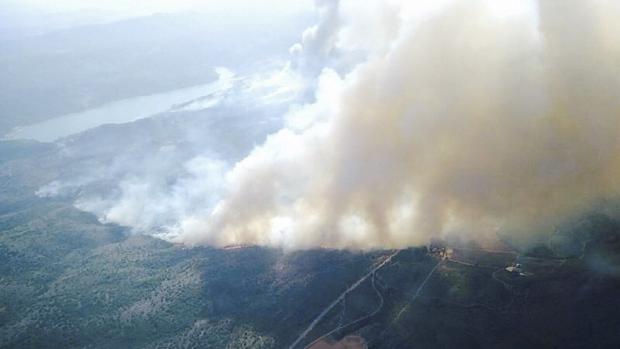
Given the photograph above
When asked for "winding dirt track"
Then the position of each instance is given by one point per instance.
(372, 273)
(341, 297)
(378, 309)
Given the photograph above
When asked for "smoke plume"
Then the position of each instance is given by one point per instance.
(469, 118)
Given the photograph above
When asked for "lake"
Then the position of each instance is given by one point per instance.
(121, 111)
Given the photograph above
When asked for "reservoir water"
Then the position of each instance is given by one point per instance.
(118, 112)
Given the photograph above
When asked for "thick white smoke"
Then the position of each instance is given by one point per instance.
(318, 43)
(470, 117)
(429, 118)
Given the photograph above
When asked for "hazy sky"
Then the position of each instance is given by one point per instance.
(31, 17)
(138, 7)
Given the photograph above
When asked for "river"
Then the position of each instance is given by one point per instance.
(121, 111)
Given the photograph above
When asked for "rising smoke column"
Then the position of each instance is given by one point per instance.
(464, 121)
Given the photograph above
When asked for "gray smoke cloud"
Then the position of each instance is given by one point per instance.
(471, 117)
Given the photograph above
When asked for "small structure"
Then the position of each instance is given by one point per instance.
(516, 268)
(439, 249)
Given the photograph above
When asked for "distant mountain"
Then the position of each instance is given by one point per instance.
(75, 69)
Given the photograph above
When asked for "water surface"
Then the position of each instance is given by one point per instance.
(121, 111)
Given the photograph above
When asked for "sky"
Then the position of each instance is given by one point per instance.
(33, 17)
(142, 7)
